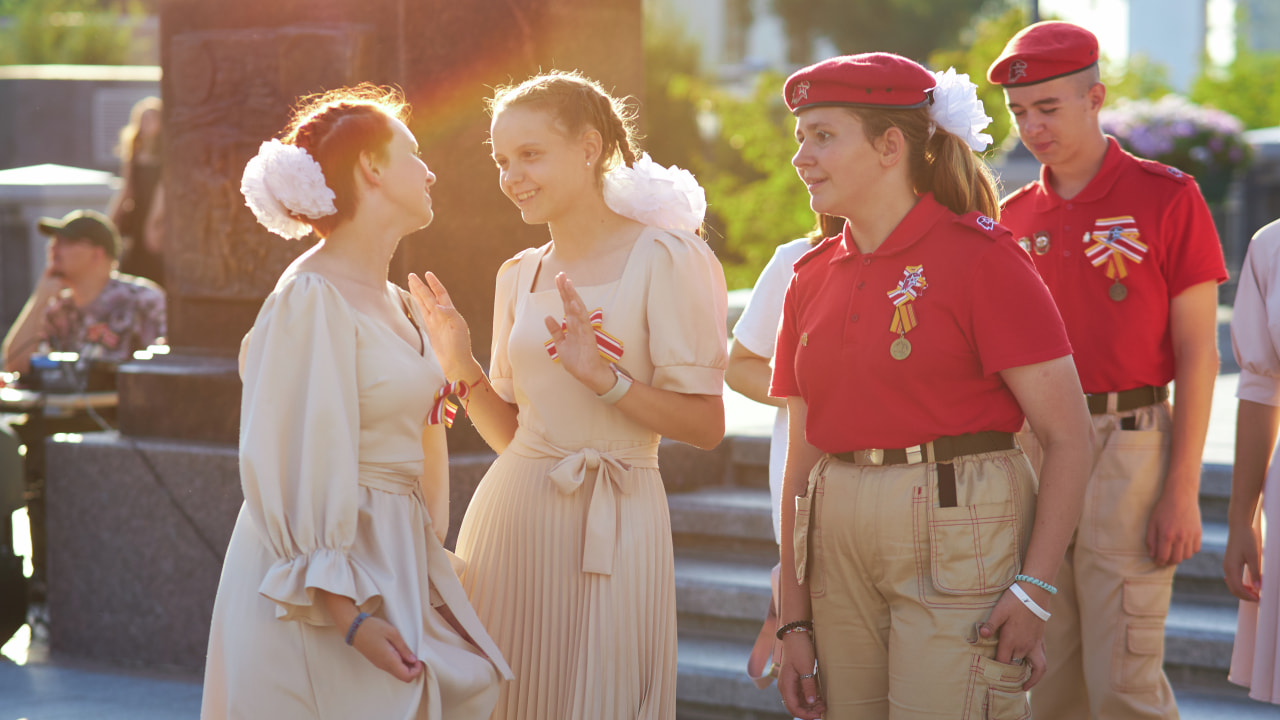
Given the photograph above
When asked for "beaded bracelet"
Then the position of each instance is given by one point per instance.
(1037, 582)
(805, 625)
(355, 625)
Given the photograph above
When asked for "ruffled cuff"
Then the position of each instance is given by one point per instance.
(292, 583)
(1262, 389)
(690, 379)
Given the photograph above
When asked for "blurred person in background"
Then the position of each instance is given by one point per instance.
(138, 209)
(1255, 336)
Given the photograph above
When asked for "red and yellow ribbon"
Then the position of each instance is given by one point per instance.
(443, 409)
(609, 346)
(912, 284)
(1113, 242)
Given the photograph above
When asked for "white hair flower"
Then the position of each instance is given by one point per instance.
(957, 109)
(281, 179)
(669, 198)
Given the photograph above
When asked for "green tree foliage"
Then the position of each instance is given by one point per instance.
(914, 28)
(762, 203)
(1248, 88)
(78, 32)
(980, 44)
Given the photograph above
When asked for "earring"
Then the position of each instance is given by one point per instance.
(588, 163)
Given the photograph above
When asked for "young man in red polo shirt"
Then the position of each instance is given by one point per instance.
(1129, 252)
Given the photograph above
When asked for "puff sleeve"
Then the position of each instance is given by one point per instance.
(687, 309)
(299, 439)
(1255, 321)
(504, 313)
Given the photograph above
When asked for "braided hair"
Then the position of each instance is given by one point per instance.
(334, 127)
(578, 103)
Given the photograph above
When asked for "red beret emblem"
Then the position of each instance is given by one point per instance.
(1017, 70)
(801, 92)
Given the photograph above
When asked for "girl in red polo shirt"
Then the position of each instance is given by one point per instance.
(911, 349)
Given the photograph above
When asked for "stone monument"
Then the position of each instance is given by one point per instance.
(138, 520)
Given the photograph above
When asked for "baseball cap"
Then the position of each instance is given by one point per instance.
(87, 225)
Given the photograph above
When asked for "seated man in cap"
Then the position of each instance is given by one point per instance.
(80, 303)
(1129, 251)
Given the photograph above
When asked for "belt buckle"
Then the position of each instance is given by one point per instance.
(873, 456)
(915, 454)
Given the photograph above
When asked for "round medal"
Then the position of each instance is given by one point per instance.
(1042, 243)
(900, 348)
(1118, 291)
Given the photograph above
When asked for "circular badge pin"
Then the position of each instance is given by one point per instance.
(900, 348)
(1025, 243)
(1118, 291)
(1042, 243)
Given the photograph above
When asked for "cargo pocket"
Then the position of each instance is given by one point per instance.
(1138, 660)
(973, 550)
(995, 691)
(1126, 484)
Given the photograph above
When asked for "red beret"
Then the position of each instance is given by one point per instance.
(1044, 51)
(867, 80)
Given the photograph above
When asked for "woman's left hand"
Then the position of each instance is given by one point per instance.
(575, 341)
(1020, 635)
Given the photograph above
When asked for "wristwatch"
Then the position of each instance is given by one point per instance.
(620, 387)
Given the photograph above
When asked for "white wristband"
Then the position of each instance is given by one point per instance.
(1022, 595)
(620, 387)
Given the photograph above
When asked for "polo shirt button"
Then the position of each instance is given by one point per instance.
(862, 284)
(866, 261)
(1070, 206)
(854, 318)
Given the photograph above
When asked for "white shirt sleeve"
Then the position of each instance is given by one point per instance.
(757, 329)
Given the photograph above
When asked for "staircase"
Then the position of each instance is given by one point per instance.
(724, 549)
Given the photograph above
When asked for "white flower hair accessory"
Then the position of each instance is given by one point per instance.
(282, 178)
(669, 198)
(957, 109)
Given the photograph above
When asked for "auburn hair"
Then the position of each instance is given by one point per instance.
(334, 127)
(939, 162)
(577, 103)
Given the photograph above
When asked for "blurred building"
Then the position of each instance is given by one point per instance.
(1262, 24)
(739, 38)
(1172, 33)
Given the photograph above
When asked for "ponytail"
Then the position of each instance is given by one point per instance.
(939, 162)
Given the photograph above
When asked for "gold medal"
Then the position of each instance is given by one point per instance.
(900, 348)
(1118, 291)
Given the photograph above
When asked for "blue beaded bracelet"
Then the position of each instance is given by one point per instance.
(1037, 582)
(355, 625)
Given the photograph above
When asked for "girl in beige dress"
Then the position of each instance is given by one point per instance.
(337, 600)
(606, 339)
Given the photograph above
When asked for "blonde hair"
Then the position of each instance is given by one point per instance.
(577, 103)
(940, 163)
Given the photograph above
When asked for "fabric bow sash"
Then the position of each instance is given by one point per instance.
(609, 346)
(1114, 241)
(443, 409)
(571, 472)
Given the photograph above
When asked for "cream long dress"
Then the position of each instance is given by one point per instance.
(568, 538)
(332, 465)
(1255, 336)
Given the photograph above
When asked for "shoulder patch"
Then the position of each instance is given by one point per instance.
(1020, 192)
(819, 249)
(982, 224)
(1165, 171)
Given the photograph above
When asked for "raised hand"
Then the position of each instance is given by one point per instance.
(576, 341)
(380, 643)
(450, 336)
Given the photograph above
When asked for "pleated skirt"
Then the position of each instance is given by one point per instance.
(582, 646)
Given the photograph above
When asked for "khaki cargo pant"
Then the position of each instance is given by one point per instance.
(899, 585)
(1106, 638)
